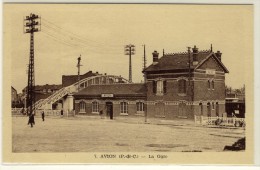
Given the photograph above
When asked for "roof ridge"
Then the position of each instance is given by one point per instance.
(183, 53)
(116, 84)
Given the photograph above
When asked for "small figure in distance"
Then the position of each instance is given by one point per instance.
(101, 113)
(31, 120)
(61, 112)
(43, 116)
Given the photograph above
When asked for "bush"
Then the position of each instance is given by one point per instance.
(238, 145)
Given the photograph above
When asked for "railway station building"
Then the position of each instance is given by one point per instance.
(177, 85)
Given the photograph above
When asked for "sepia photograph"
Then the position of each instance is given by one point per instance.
(128, 83)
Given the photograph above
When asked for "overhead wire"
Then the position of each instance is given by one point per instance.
(71, 40)
(51, 24)
(55, 39)
(63, 41)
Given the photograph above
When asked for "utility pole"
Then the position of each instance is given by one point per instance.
(78, 65)
(31, 27)
(144, 58)
(189, 64)
(145, 113)
(130, 50)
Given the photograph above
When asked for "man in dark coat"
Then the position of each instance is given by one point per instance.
(43, 115)
(31, 120)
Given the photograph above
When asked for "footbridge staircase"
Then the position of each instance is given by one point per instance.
(60, 94)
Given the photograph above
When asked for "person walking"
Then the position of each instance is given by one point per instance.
(43, 116)
(101, 114)
(61, 112)
(31, 120)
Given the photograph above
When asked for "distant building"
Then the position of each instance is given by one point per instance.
(41, 91)
(68, 80)
(177, 85)
(235, 104)
(14, 96)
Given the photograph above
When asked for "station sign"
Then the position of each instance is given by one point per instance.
(210, 71)
(107, 95)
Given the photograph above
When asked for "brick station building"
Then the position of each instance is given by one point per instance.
(177, 85)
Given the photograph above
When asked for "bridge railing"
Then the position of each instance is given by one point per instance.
(69, 89)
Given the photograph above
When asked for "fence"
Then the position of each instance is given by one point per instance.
(48, 112)
(220, 121)
(18, 111)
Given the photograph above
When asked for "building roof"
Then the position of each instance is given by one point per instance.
(116, 89)
(68, 80)
(48, 86)
(13, 88)
(178, 61)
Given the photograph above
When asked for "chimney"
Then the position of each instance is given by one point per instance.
(195, 52)
(218, 54)
(155, 57)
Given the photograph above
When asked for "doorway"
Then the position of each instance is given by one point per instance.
(209, 109)
(109, 108)
(217, 109)
(182, 110)
(201, 109)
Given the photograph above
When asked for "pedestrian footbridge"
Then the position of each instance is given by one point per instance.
(65, 93)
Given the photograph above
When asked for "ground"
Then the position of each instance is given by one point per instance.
(92, 134)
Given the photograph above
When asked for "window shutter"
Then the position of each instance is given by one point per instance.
(154, 87)
(164, 86)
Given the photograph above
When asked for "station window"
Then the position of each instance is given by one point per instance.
(140, 106)
(123, 107)
(82, 107)
(182, 86)
(159, 87)
(95, 108)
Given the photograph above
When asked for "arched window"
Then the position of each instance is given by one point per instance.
(140, 107)
(182, 86)
(212, 84)
(95, 108)
(82, 106)
(208, 84)
(123, 107)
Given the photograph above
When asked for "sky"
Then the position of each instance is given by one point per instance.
(99, 33)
